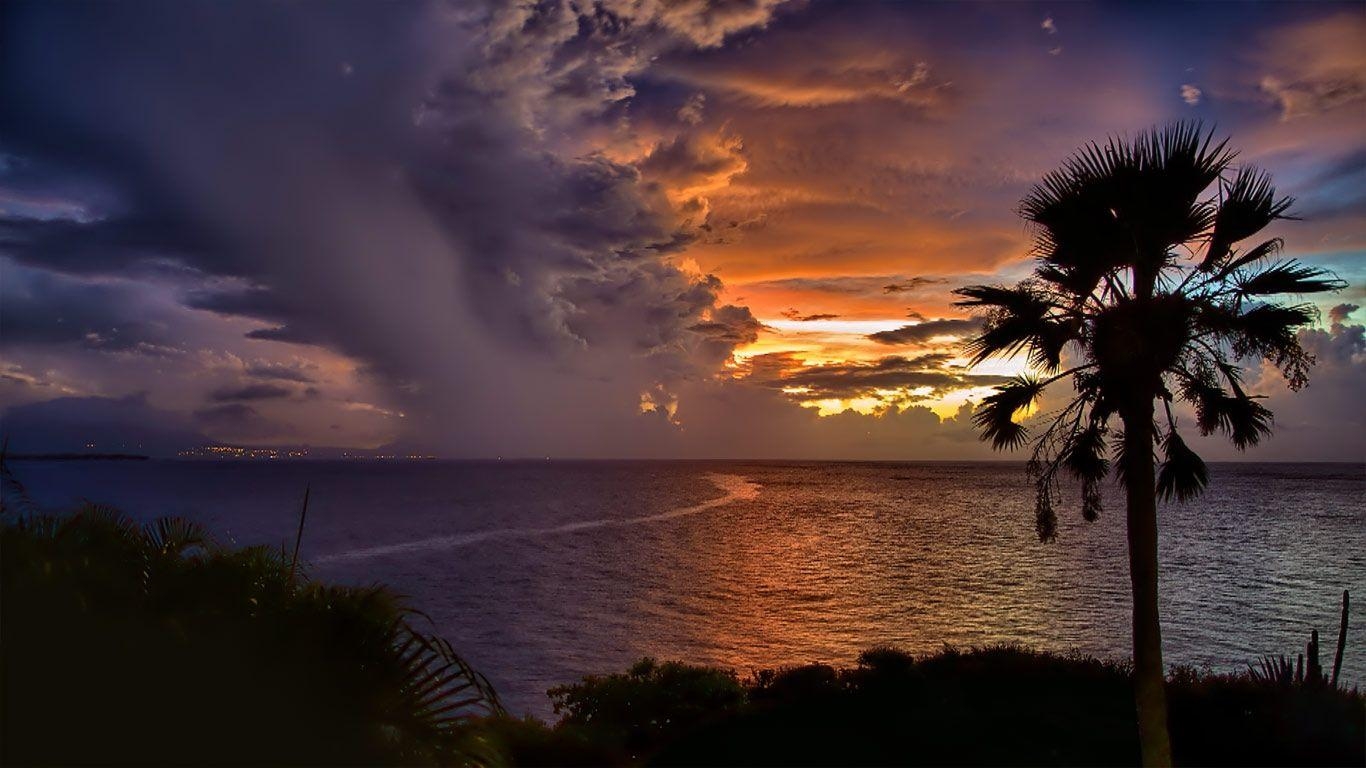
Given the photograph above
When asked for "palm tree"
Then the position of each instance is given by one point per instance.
(1143, 294)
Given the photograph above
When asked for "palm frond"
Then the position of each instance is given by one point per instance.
(1250, 203)
(1048, 341)
(1017, 300)
(1112, 228)
(1258, 252)
(1269, 331)
(1201, 389)
(1235, 413)
(439, 688)
(1085, 454)
(175, 535)
(1045, 519)
(1245, 420)
(1091, 502)
(1120, 456)
(1289, 277)
(1183, 474)
(1085, 457)
(363, 683)
(995, 416)
(13, 494)
(1126, 203)
(1018, 320)
(1274, 670)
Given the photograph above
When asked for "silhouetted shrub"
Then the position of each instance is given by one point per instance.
(795, 684)
(530, 742)
(152, 644)
(1241, 719)
(1001, 705)
(648, 705)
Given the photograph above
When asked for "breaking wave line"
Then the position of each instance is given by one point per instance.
(736, 488)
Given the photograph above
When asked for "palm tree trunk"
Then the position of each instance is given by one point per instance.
(1149, 685)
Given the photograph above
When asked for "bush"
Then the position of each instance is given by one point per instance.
(795, 684)
(152, 644)
(530, 742)
(647, 706)
(1001, 705)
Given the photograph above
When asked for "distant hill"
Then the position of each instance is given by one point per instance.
(76, 457)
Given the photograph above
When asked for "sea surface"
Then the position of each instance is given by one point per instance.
(542, 572)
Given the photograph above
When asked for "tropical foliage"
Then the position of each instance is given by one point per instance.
(156, 644)
(1001, 705)
(1143, 281)
(1151, 286)
(631, 711)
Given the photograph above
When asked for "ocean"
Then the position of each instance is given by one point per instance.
(541, 572)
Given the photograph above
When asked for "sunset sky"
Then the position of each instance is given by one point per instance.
(629, 228)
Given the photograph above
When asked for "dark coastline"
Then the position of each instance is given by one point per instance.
(77, 457)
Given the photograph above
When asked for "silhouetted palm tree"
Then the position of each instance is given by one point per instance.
(1142, 287)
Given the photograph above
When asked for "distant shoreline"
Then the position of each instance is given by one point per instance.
(77, 457)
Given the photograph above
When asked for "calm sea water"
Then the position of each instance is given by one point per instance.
(542, 572)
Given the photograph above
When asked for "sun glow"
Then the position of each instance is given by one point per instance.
(834, 366)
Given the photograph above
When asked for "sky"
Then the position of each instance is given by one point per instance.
(625, 228)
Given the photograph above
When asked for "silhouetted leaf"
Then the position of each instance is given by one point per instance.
(1249, 205)
(1289, 277)
(1045, 519)
(1183, 474)
(1085, 454)
(1091, 502)
(995, 416)
(1256, 253)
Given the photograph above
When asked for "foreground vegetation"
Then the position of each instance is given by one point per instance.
(148, 644)
(1001, 705)
(129, 644)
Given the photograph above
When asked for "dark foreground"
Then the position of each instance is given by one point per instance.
(127, 644)
(991, 706)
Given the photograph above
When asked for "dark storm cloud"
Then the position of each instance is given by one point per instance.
(94, 91)
(470, 203)
(398, 146)
(668, 320)
(41, 308)
(734, 325)
(259, 303)
(100, 247)
(923, 332)
(289, 323)
(282, 333)
(250, 392)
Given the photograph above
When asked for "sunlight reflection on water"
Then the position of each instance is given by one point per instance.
(543, 572)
